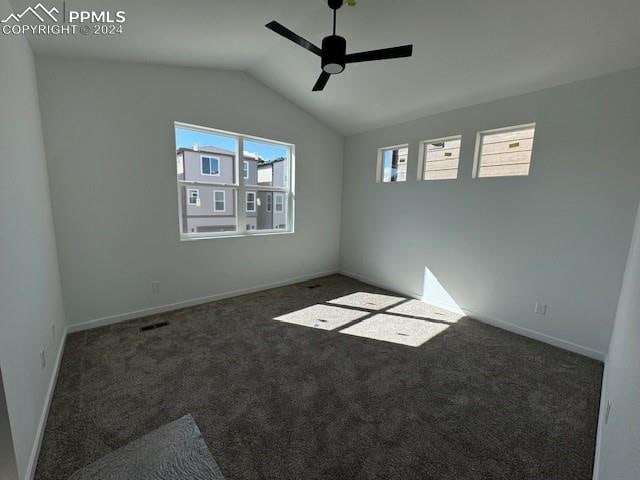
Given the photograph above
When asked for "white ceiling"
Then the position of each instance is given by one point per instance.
(466, 51)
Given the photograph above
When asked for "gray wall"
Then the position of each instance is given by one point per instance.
(8, 468)
(619, 440)
(30, 294)
(111, 239)
(498, 245)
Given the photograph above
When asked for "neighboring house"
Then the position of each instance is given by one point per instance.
(207, 207)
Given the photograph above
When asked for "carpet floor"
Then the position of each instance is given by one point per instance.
(329, 379)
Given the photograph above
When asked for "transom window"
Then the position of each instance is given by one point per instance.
(504, 152)
(216, 170)
(440, 158)
(392, 164)
(210, 165)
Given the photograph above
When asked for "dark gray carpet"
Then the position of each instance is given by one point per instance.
(281, 401)
(174, 451)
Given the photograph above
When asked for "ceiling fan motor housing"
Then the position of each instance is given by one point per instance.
(334, 52)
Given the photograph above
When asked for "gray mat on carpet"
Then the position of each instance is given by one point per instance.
(174, 451)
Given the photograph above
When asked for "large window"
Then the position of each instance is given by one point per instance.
(392, 164)
(216, 170)
(504, 152)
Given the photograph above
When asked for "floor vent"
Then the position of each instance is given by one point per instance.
(153, 326)
(313, 286)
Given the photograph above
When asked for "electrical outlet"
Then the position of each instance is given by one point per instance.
(606, 415)
(43, 360)
(155, 287)
(540, 308)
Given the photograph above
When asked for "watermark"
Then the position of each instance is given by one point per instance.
(41, 20)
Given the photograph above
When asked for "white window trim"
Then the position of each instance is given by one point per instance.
(380, 160)
(422, 158)
(275, 202)
(239, 189)
(245, 171)
(210, 157)
(189, 190)
(224, 201)
(255, 201)
(478, 150)
(269, 201)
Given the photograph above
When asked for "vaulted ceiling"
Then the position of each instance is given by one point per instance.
(466, 51)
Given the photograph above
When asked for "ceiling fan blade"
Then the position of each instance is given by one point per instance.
(294, 37)
(382, 54)
(321, 82)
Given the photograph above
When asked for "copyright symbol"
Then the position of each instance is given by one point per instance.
(85, 29)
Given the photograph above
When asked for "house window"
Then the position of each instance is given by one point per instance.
(279, 202)
(219, 201)
(210, 166)
(236, 176)
(251, 201)
(392, 164)
(504, 152)
(193, 196)
(440, 158)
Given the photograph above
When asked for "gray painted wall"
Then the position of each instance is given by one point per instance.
(8, 468)
(138, 235)
(30, 294)
(619, 440)
(498, 245)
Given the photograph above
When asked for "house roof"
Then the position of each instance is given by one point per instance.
(222, 151)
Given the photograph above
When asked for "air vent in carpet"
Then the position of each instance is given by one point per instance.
(153, 326)
(313, 286)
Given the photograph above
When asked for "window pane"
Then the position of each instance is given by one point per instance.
(206, 160)
(251, 202)
(507, 152)
(268, 163)
(394, 164)
(441, 158)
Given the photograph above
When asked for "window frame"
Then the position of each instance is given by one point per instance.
(422, 158)
(380, 163)
(197, 190)
(254, 201)
(239, 187)
(245, 169)
(210, 157)
(478, 150)
(224, 201)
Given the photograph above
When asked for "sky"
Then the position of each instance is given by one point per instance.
(186, 138)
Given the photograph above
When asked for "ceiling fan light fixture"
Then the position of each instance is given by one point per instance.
(334, 54)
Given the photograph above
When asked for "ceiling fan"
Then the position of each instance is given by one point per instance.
(334, 49)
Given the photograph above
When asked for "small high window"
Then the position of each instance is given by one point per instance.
(392, 164)
(504, 152)
(269, 202)
(210, 166)
(245, 169)
(279, 203)
(440, 158)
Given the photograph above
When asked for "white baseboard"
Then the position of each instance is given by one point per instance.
(511, 327)
(121, 317)
(35, 451)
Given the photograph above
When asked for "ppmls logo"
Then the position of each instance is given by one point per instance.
(40, 20)
(39, 11)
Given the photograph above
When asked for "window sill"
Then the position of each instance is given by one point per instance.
(189, 238)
